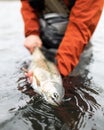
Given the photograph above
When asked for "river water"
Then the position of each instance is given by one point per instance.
(84, 88)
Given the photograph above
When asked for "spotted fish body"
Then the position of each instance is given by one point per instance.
(46, 78)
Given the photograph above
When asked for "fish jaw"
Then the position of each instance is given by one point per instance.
(51, 93)
(48, 92)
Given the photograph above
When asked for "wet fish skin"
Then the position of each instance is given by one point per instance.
(47, 80)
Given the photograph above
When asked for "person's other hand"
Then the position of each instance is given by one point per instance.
(31, 42)
(29, 75)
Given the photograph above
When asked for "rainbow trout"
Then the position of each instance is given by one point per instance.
(46, 78)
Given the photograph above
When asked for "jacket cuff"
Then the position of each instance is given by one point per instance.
(35, 32)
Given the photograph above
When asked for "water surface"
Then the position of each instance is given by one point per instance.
(85, 87)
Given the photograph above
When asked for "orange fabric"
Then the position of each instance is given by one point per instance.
(83, 20)
(30, 18)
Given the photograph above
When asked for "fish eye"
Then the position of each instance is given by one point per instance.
(55, 95)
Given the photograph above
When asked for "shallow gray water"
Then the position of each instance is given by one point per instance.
(84, 110)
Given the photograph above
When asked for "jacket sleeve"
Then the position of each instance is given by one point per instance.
(30, 18)
(83, 20)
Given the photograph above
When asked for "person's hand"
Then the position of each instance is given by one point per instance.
(31, 42)
(28, 74)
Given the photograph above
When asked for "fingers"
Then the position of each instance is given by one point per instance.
(31, 48)
(29, 75)
(31, 42)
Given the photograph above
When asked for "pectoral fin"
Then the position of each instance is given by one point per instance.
(37, 80)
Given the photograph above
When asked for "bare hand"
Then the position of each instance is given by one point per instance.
(31, 42)
(28, 74)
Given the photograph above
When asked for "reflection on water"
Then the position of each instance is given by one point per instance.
(83, 106)
(81, 111)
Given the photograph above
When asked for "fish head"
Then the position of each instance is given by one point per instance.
(53, 93)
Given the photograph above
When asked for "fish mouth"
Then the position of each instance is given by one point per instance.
(55, 101)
